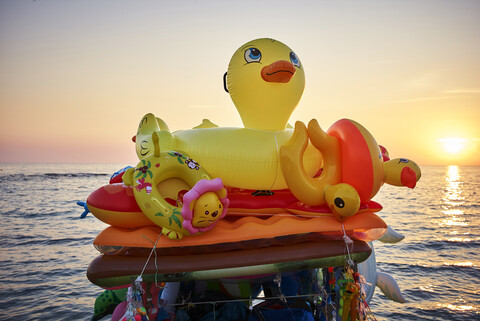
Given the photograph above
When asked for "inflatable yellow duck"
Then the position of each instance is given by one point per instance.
(265, 80)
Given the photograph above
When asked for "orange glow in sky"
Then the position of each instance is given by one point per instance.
(76, 77)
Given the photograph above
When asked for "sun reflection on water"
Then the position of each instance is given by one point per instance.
(459, 239)
(453, 188)
(452, 198)
(455, 307)
(467, 264)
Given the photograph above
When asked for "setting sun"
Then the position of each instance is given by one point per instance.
(457, 150)
(453, 145)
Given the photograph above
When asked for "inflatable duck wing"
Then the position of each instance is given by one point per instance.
(265, 80)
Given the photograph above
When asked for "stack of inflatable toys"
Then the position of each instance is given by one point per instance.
(213, 215)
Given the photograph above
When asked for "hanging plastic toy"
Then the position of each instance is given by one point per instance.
(135, 310)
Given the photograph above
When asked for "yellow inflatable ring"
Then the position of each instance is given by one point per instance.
(204, 204)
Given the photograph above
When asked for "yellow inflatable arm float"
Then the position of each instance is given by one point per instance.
(343, 199)
(353, 167)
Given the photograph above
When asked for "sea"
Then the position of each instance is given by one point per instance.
(45, 248)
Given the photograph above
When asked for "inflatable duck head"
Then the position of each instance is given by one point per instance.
(265, 80)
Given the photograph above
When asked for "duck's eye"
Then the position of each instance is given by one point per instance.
(294, 59)
(339, 202)
(252, 55)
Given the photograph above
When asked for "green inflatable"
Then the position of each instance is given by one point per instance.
(107, 301)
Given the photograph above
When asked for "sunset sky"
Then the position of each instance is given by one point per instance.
(76, 77)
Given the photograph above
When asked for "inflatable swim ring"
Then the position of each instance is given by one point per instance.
(353, 167)
(204, 203)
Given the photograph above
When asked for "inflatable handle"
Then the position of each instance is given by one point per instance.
(389, 287)
(117, 176)
(391, 236)
(85, 207)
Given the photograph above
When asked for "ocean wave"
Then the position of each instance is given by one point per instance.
(439, 245)
(437, 270)
(46, 248)
(27, 177)
(28, 240)
(447, 311)
(61, 175)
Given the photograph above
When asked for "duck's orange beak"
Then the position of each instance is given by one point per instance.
(279, 71)
(134, 139)
(409, 177)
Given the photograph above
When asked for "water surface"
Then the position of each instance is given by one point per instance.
(45, 248)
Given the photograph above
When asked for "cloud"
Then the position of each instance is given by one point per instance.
(458, 140)
(416, 100)
(202, 107)
(474, 91)
(446, 94)
(426, 80)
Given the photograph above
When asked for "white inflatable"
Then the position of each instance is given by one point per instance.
(384, 281)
